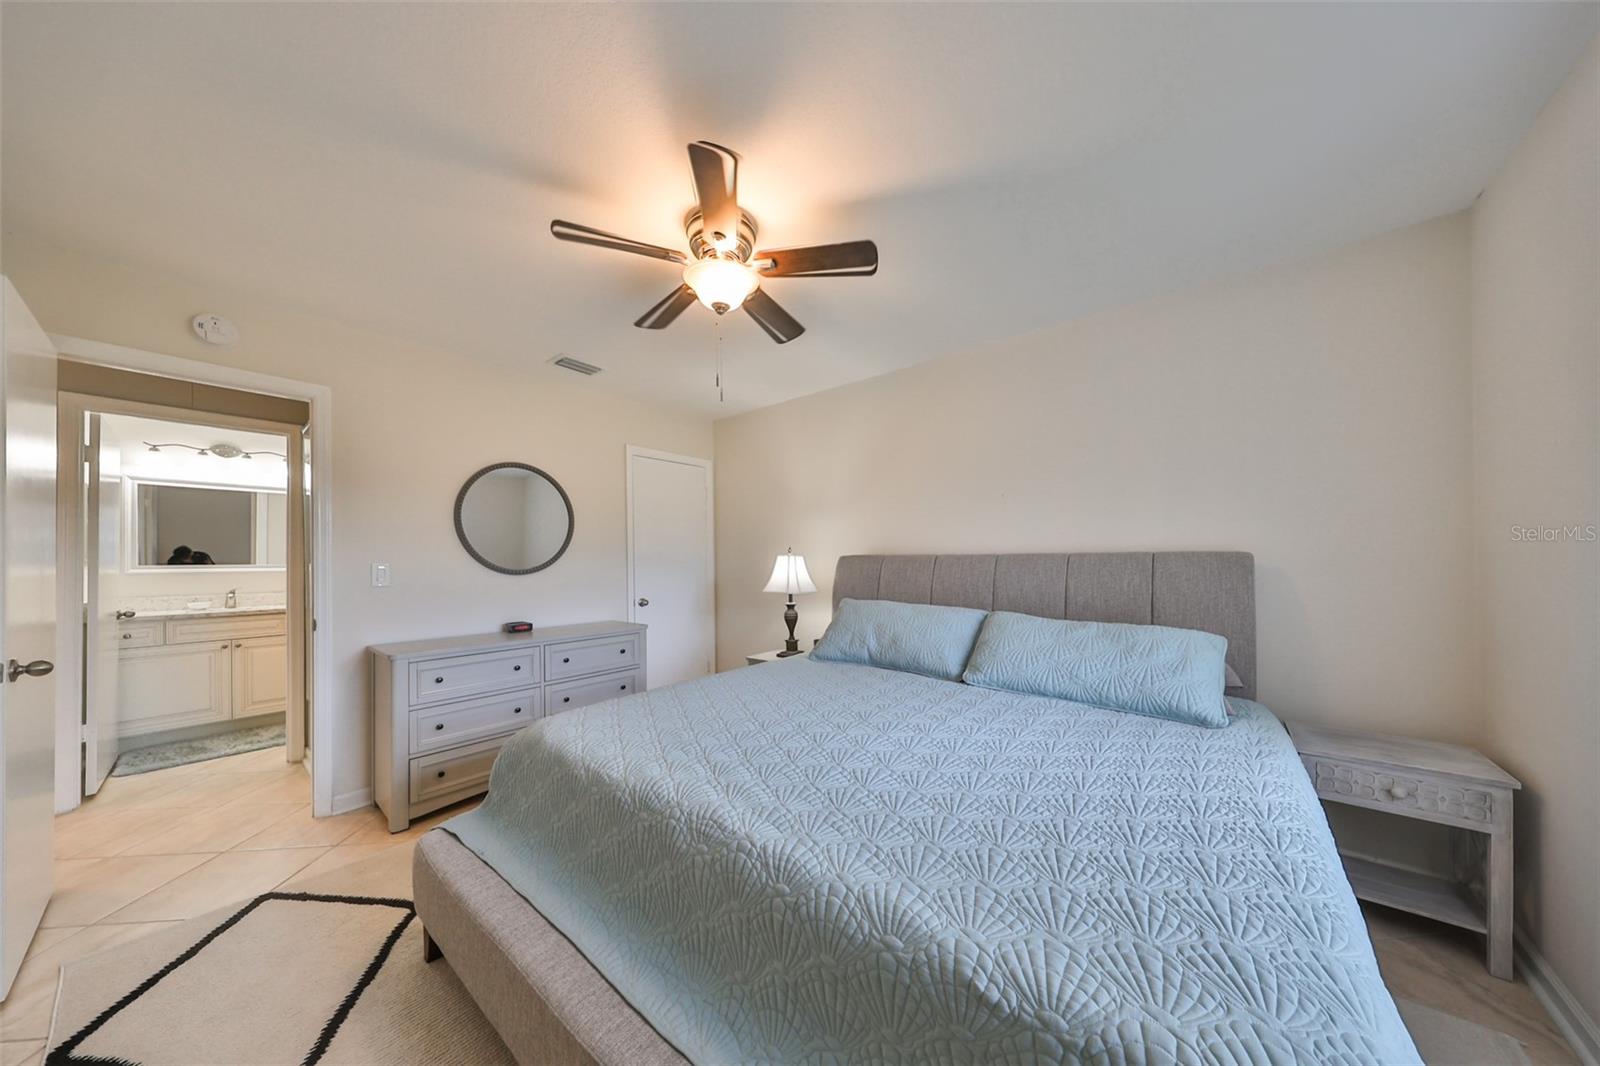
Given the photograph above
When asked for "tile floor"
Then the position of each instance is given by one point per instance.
(1442, 968)
(157, 848)
(161, 847)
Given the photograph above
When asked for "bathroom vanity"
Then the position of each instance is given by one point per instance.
(177, 669)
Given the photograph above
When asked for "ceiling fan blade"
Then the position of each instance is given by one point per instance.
(850, 259)
(662, 314)
(778, 323)
(716, 185)
(571, 231)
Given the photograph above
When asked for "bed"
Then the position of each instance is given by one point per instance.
(810, 861)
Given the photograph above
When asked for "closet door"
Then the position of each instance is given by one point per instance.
(670, 561)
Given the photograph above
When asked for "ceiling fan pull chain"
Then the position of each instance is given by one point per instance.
(717, 324)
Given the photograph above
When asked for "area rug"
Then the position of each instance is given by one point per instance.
(200, 749)
(1445, 1040)
(330, 971)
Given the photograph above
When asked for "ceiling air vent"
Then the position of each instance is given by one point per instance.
(568, 363)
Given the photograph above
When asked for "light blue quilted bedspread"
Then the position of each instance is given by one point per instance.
(807, 861)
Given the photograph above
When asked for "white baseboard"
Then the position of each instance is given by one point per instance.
(1568, 1014)
(344, 802)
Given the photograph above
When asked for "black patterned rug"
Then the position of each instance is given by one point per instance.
(289, 977)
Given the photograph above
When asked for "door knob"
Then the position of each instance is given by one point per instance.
(643, 602)
(37, 668)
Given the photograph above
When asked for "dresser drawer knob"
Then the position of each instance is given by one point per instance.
(439, 726)
(127, 636)
(516, 710)
(622, 651)
(566, 660)
(517, 667)
(566, 699)
(438, 681)
(624, 688)
(441, 773)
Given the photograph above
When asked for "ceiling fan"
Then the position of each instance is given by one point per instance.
(723, 270)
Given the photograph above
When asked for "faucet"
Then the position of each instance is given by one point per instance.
(233, 598)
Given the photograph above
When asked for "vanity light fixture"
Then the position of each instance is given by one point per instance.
(223, 450)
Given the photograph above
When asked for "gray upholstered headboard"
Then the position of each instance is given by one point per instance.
(1210, 591)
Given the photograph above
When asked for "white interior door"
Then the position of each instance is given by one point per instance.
(670, 579)
(296, 663)
(27, 628)
(102, 545)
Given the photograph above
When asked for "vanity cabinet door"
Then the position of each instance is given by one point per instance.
(260, 676)
(176, 685)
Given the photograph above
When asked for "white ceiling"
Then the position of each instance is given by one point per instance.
(396, 165)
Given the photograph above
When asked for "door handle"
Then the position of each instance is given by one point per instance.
(643, 602)
(37, 668)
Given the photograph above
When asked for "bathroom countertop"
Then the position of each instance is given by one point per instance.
(208, 612)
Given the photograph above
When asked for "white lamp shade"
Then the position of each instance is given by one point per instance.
(789, 575)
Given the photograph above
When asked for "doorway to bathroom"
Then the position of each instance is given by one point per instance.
(187, 526)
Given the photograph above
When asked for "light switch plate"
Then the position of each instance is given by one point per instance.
(380, 575)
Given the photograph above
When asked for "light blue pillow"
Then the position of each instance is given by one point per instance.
(1154, 670)
(916, 638)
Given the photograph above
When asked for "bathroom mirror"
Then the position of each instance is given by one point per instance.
(194, 525)
(513, 518)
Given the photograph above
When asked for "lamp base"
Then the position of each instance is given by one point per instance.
(790, 617)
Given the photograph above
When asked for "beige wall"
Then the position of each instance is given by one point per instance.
(410, 424)
(1536, 362)
(1316, 414)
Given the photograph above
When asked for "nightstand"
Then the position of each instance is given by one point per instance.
(1444, 783)
(771, 657)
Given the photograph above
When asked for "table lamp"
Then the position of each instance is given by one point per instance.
(789, 576)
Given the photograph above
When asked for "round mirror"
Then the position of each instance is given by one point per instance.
(513, 518)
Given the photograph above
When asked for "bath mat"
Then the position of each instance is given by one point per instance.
(200, 749)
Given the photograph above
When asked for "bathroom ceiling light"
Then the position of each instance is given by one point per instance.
(223, 450)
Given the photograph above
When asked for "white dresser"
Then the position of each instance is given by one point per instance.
(441, 709)
(181, 669)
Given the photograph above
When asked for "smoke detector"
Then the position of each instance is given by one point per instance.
(214, 329)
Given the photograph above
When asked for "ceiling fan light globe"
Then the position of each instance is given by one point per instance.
(720, 284)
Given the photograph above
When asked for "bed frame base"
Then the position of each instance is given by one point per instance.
(537, 990)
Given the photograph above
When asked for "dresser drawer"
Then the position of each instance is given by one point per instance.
(456, 723)
(437, 680)
(569, 695)
(232, 627)
(1434, 798)
(454, 770)
(141, 635)
(578, 657)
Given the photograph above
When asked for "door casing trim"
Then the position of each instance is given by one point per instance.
(320, 398)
